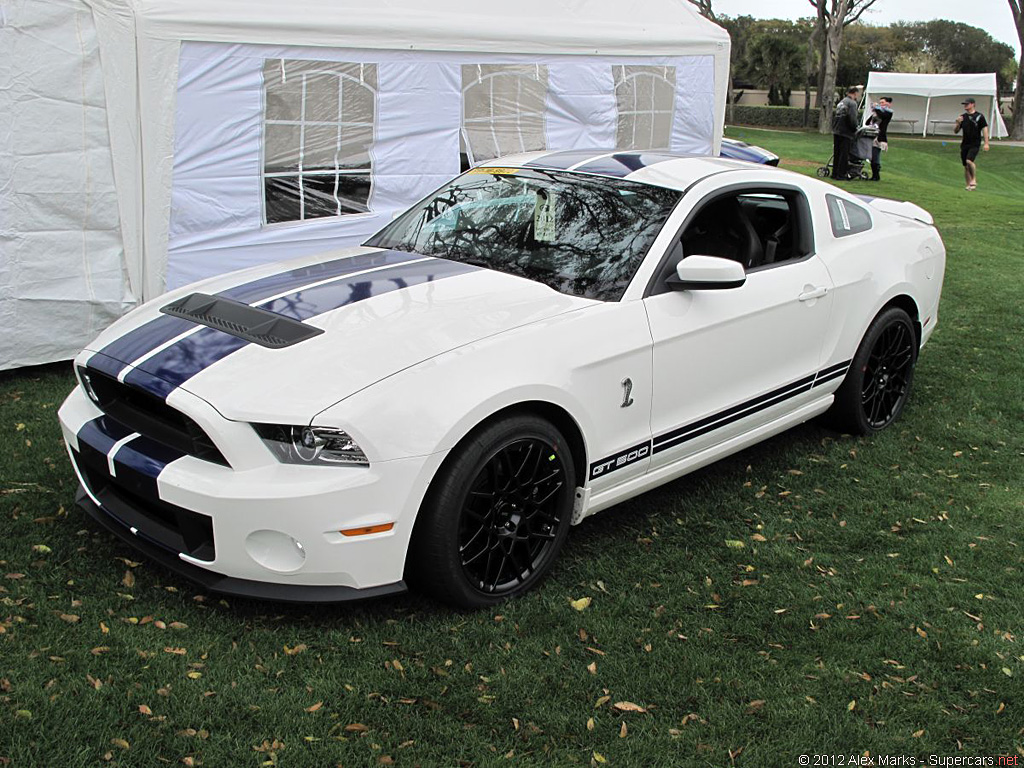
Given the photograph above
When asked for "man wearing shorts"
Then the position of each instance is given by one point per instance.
(975, 129)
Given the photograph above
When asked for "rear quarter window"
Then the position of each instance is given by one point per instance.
(847, 218)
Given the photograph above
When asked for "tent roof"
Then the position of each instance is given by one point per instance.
(982, 84)
(602, 27)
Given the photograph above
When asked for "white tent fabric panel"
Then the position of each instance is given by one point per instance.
(936, 99)
(125, 177)
(216, 219)
(62, 276)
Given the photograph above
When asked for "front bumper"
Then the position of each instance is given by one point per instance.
(228, 585)
(259, 529)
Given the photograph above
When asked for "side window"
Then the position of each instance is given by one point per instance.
(503, 108)
(318, 126)
(759, 228)
(645, 97)
(847, 218)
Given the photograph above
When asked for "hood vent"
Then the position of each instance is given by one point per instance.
(259, 326)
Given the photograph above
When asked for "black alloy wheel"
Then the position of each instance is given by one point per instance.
(496, 515)
(511, 514)
(878, 383)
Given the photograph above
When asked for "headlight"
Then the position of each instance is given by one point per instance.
(311, 445)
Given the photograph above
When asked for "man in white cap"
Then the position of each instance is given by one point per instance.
(975, 128)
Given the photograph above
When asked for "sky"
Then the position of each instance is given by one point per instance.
(991, 15)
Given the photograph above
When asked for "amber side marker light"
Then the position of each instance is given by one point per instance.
(368, 529)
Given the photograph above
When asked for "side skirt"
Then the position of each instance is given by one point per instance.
(685, 465)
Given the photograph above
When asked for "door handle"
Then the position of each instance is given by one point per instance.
(814, 293)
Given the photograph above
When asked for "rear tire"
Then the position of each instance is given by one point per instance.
(876, 388)
(496, 516)
(823, 173)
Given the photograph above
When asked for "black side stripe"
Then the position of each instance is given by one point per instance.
(824, 378)
(729, 415)
(735, 413)
(621, 459)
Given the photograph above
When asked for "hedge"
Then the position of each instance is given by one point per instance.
(776, 117)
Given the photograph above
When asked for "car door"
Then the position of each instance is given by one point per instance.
(726, 361)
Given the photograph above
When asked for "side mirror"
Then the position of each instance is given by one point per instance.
(706, 273)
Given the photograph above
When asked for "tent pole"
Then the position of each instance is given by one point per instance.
(927, 111)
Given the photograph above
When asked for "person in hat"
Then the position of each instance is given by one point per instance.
(975, 130)
(881, 114)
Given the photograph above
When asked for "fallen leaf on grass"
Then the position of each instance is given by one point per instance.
(99, 649)
(582, 604)
(70, 618)
(601, 701)
(296, 650)
(628, 706)
(143, 709)
(356, 728)
(175, 651)
(851, 706)
(917, 734)
(734, 544)
(41, 549)
(755, 706)
(590, 723)
(598, 758)
(129, 579)
(194, 675)
(120, 743)
(592, 667)
(758, 537)
(315, 707)
(623, 730)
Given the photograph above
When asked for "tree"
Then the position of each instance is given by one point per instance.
(775, 62)
(1017, 124)
(833, 17)
(704, 8)
(960, 47)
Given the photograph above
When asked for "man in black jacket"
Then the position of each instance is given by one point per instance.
(844, 130)
(881, 114)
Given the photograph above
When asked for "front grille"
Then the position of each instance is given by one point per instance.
(131, 500)
(150, 416)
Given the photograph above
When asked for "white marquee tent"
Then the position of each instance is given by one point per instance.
(145, 144)
(929, 104)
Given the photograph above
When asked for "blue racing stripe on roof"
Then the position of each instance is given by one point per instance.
(621, 164)
(147, 337)
(566, 158)
(172, 367)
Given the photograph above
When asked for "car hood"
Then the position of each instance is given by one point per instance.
(379, 312)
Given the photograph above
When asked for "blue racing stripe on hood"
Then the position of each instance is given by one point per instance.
(621, 164)
(147, 337)
(172, 367)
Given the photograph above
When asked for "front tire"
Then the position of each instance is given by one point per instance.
(876, 388)
(496, 516)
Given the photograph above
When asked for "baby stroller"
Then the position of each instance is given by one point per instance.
(860, 154)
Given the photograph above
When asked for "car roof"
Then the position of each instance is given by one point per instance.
(673, 170)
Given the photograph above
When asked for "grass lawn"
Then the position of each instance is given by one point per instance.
(875, 605)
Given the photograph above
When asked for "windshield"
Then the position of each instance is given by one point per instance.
(578, 234)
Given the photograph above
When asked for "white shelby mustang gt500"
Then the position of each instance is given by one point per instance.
(541, 338)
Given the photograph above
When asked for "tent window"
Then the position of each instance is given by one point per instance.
(503, 108)
(318, 127)
(847, 218)
(646, 98)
